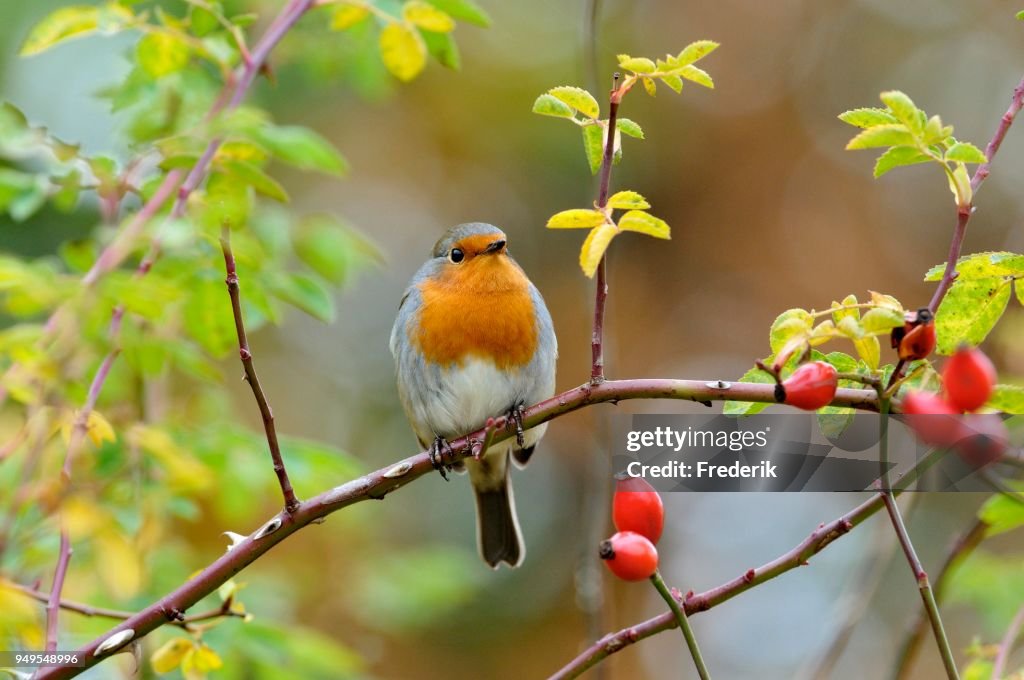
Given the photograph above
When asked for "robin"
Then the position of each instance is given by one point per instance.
(473, 339)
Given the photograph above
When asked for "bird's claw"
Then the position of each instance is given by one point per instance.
(437, 452)
(514, 419)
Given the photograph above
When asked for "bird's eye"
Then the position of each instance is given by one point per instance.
(456, 255)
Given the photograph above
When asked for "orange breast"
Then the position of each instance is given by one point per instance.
(482, 309)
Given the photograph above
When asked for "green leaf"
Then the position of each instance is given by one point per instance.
(792, 323)
(593, 146)
(868, 349)
(346, 15)
(442, 47)
(463, 10)
(577, 218)
(904, 109)
(202, 21)
(982, 266)
(867, 117)
(628, 200)
(1001, 514)
(1008, 399)
(1020, 15)
(254, 176)
(882, 135)
(636, 64)
(749, 408)
(644, 223)
(578, 99)
(969, 311)
(301, 147)
(332, 249)
(226, 201)
(403, 51)
(61, 24)
(696, 75)
(306, 293)
(161, 53)
(628, 127)
(696, 50)
(594, 247)
(880, 319)
(427, 17)
(965, 152)
(674, 82)
(898, 156)
(207, 316)
(549, 105)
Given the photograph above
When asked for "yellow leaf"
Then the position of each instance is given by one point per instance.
(99, 430)
(697, 75)
(577, 218)
(184, 471)
(628, 200)
(347, 15)
(64, 23)
(403, 51)
(869, 350)
(644, 223)
(649, 85)
(162, 52)
(198, 661)
(82, 517)
(595, 246)
(119, 564)
(170, 654)
(427, 17)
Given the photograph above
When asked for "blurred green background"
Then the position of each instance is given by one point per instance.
(767, 212)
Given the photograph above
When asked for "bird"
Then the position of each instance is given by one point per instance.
(473, 340)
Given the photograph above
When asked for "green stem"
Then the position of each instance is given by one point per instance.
(684, 624)
(920, 575)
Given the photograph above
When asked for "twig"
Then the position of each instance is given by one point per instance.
(53, 604)
(920, 575)
(267, 413)
(378, 484)
(684, 625)
(960, 550)
(120, 614)
(601, 291)
(1006, 646)
(963, 215)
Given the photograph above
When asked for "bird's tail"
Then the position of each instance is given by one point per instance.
(498, 535)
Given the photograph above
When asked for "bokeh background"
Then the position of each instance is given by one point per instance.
(767, 212)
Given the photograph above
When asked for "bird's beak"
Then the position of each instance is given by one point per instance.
(495, 246)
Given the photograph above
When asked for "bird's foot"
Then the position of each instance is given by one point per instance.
(437, 453)
(514, 419)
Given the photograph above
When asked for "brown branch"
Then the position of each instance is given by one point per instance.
(964, 212)
(601, 290)
(267, 413)
(960, 551)
(53, 603)
(378, 484)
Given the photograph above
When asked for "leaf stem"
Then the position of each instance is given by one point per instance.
(684, 625)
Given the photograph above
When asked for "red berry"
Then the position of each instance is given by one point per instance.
(811, 386)
(916, 338)
(984, 439)
(932, 418)
(968, 377)
(637, 507)
(630, 556)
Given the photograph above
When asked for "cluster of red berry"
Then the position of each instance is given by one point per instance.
(639, 518)
(968, 379)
